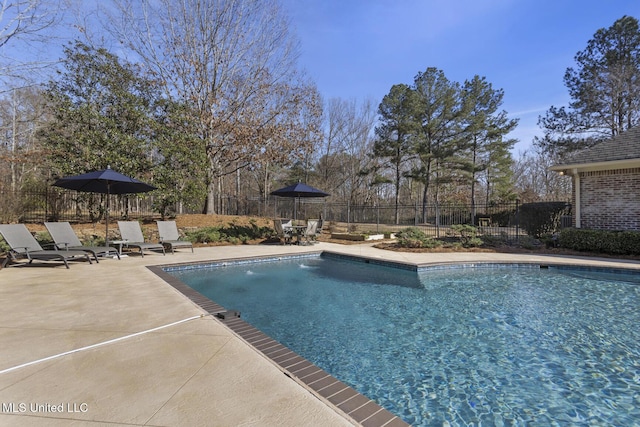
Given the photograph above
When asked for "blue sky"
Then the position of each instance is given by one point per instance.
(358, 49)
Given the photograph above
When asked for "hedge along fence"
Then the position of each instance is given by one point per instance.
(602, 241)
(542, 218)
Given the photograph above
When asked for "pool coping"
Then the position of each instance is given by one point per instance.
(342, 398)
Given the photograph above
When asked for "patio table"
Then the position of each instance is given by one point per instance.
(118, 244)
(298, 231)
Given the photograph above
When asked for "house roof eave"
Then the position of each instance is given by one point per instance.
(572, 169)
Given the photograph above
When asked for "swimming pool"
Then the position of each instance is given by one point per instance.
(497, 346)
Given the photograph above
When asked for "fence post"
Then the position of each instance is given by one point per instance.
(437, 218)
(517, 220)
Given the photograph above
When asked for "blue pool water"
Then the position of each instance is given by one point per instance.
(464, 346)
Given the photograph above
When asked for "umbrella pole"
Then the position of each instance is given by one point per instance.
(106, 216)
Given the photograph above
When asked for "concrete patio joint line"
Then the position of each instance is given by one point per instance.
(77, 350)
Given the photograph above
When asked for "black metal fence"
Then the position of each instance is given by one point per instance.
(54, 205)
(435, 220)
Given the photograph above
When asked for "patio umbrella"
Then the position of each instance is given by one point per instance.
(297, 191)
(107, 182)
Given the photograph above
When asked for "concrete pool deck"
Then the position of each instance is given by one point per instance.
(112, 343)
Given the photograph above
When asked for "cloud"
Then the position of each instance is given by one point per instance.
(536, 110)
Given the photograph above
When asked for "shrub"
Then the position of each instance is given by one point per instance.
(413, 237)
(541, 217)
(528, 242)
(468, 235)
(92, 240)
(204, 235)
(603, 241)
(4, 246)
(233, 234)
(501, 218)
(494, 240)
(44, 239)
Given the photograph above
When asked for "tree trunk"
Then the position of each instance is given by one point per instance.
(425, 192)
(473, 181)
(397, 215)
(238, 191)
(14, 144)
(210, 207)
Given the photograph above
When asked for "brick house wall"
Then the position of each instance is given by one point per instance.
(608, 178)
(610, 199)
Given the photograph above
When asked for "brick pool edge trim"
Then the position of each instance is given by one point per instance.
(339, 396)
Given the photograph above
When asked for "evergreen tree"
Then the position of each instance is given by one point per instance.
(396, 132)
(102, 115)
(439, 112)
(106, 113)
(498, 175)
(452, 135)
(485, 129)
(604, 88)
(179, 170)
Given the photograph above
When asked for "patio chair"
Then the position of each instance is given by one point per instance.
(66, 239)
(170, 237)
(310, 232)
(23, 245)
(132, 237)
(284, 233)
(318, 229)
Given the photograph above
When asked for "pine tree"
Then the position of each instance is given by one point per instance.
(484, 130)
(396, 132)
(604, 88)
(439, 137)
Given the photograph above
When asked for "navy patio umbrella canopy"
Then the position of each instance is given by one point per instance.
(297, 191)
(106, 181)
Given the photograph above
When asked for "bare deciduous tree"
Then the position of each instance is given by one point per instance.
(24, 34)
(232, 61)
(535, 182)
(26, 18)
(21, 112)
(345, 154)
